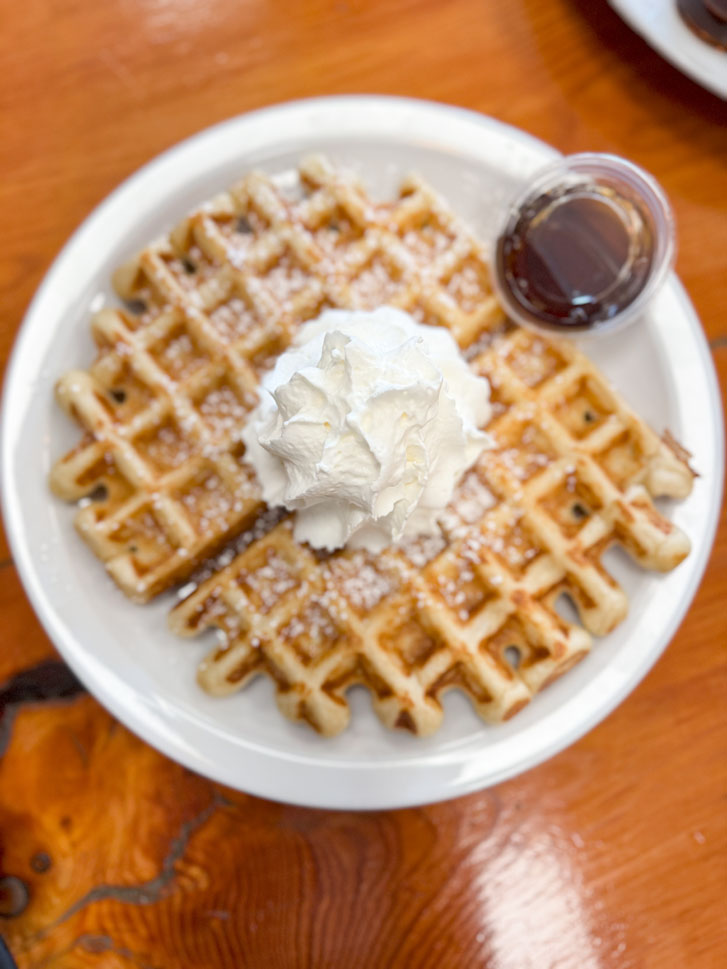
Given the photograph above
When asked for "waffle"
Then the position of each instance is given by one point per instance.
(573, 471)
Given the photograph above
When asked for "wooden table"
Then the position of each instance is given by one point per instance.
(610, 856)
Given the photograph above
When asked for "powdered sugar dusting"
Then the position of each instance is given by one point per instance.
(361, 584)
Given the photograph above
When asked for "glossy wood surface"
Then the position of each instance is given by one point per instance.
(611, 856)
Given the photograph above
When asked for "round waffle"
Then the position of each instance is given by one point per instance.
(164, 484)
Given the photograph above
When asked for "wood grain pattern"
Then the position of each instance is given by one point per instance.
(611, 856)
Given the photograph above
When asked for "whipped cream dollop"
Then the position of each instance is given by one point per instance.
(364, 427)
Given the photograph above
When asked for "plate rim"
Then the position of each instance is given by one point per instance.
(679, 57)
(346, 798)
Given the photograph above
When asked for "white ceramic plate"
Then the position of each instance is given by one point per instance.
(124, 652)
(659, 23)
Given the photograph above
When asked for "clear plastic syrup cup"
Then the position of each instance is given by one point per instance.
(584, 246)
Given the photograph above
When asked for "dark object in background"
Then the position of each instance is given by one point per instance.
(6, 960)
(707, 19)
(50, 680)
(14, 896)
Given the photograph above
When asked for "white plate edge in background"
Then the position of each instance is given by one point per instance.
(659, 23)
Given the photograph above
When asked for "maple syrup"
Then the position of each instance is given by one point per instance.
(579, 251)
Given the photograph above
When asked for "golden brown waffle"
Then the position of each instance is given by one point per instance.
(573, 471)
(207, 309)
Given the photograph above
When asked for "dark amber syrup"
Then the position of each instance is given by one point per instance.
(576, 256)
